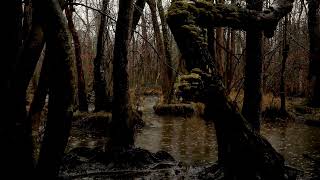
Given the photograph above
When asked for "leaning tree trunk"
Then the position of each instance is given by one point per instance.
(121, 133)
(245, 154)
(82, 97)
(61, 88)
(251, 108)
(137, 13)
(39, 101)
(100, 84)
(314, 48)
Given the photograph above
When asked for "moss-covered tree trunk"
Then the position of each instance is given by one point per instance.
(314, 48)
(62, 87)
(121, 133)
(102, 103)
(243, 153)
(82, 97)
(251, 108)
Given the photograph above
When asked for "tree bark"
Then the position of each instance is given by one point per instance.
(314, 49)
(244, 153)
(168, 68)
(100, 84)
(62, 87)
(27, 19)
(165, 84)
(14, 130)
(39, 99)
(230, 60)
(220, 53)
(251, 108)
(285, 51)
(82, 97)
(137, 13)
(121, 133)
(211, 42)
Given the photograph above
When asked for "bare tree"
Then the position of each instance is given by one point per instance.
(168, 78)
(82, 97)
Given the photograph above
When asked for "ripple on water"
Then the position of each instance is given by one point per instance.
(193, 141)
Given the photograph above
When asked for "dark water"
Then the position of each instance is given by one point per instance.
(190, 140)
(193, 141)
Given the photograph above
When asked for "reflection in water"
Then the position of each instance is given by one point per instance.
(294, 141)
(192, 140)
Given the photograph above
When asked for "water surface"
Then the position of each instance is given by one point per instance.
(192, 140)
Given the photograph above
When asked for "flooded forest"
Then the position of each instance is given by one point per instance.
(160, 89)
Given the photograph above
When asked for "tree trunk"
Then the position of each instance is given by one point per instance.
(230, 64)
(251, 108)
(211, 42)
(314, 48)
(62, 87)
(39, 99)
(168, 68)
(27, 19)
(285, 51)
(82, 97)
(165, 82)
(137, 13)
(121, 133)
(15, 132)
(101, 101)
(220, 57)
(145, 53)
(244, 153)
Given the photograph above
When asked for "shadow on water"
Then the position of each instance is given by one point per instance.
(192, 140)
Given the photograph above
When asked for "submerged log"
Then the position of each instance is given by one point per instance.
(243, 153)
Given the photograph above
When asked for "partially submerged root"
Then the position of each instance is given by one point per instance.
(84, 162)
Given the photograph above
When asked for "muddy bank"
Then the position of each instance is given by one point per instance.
(181, 109)
(99, 122)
